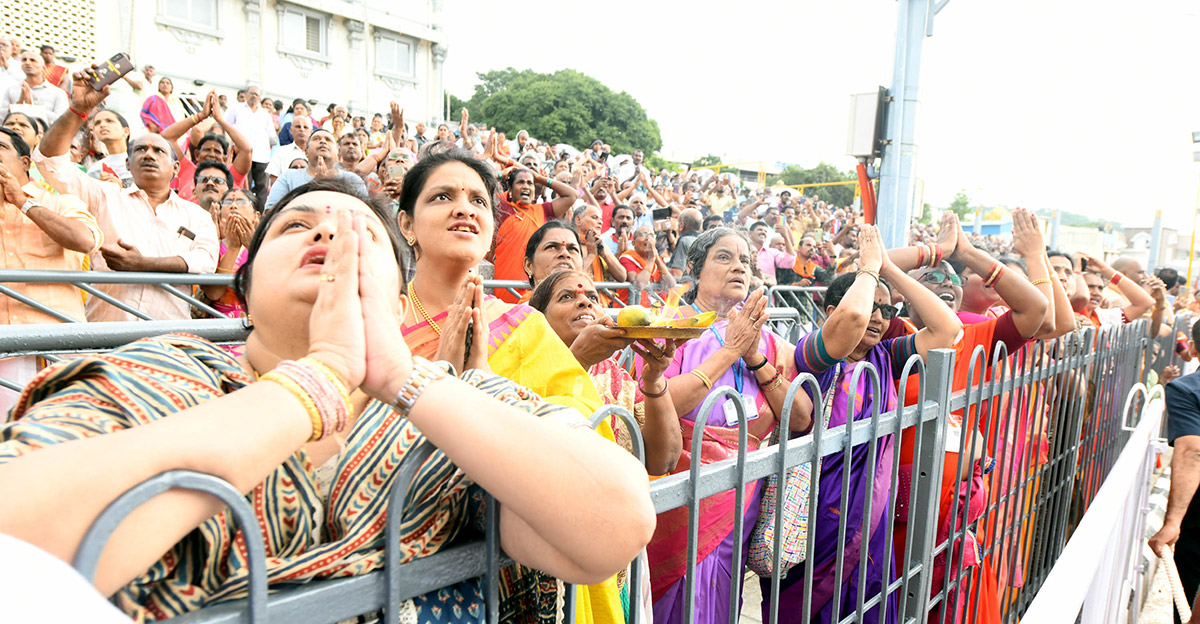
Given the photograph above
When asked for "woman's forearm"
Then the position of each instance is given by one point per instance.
(939, 319)
(661, 433)
(240, 438)
(687, 391)
(550, 522)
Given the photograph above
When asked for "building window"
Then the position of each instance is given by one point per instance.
(395, 55)
(304, 32)
(198, 13)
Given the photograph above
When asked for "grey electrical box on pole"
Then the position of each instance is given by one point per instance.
(914, 22)
(868, 122)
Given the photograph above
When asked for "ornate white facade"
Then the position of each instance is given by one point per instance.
(360, 53)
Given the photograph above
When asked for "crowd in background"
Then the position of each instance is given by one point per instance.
(112, 181)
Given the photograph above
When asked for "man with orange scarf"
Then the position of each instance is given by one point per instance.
(644, 266)
(519, 218)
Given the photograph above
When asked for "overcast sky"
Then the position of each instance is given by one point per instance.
(1083, 106)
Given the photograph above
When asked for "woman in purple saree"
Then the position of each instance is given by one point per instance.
(859, 311)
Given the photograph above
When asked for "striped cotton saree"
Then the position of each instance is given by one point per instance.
(308, 534)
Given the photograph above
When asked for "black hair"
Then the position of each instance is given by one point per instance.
(418, 176)
(1015, 261)
(507, 184)
(120, 118)
(278, 105)
(1169, 277)
(958, 265)
(697, 255)
(538, 235)
(624, 207)
(247, 192)
(212, 164)
(1196, 333)
(381, 206)
(842, 283)
(1054, 253)
(292, 108)
(756, 224)
(211, 136)
(540, 299)
(39, 124)
(19, 144)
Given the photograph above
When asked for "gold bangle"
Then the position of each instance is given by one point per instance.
(1043, 280)
(775, 383)
(868, 272)
(291, 386)
(702, 377)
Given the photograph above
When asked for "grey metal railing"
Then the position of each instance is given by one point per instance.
(621, 293)
(1032, 503)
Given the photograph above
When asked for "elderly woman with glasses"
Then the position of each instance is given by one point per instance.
(739, 353)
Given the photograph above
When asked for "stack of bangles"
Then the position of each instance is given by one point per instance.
(929, 256)
(993, 274)
(323, 394)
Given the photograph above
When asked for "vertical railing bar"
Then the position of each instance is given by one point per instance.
(397, 499)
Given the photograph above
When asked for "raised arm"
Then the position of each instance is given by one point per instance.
(566, 195)
(846, 323)
(245, 153)
(942, 326)
(1029, 244)
(1139, 299)
(916, 256)
(1028, 305)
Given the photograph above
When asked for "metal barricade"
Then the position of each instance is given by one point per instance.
(1051, 453)
(804, 299)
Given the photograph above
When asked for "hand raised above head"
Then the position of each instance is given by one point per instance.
(83, 97)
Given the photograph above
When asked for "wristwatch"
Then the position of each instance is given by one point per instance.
(424, 373)
(29, 204)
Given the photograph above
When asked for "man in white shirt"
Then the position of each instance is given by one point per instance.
(283, 155)
(147, 226)
(256, 124)
(34, 89)
(10, 70)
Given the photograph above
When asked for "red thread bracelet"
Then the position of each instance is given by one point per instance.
(81, 116)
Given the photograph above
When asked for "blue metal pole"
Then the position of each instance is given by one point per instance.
(913, 24)
(1155, 242)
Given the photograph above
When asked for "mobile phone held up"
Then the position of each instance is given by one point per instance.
(110, 71)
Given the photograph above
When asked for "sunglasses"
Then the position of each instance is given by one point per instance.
(937, 277)
(888, 310)
(213, 179)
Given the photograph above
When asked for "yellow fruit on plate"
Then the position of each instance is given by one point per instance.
(704, 320)
(634, 316)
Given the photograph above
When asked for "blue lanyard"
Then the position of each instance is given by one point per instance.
(737, 370)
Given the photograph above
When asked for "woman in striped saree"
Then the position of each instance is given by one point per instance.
(321, 282)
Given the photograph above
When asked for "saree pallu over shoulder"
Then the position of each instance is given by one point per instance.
(152, 379)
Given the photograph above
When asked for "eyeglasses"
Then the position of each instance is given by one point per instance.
(244, 203)
(214, 179)
(887, 310)
(937, 277)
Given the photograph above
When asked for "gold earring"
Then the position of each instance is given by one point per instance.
(249, 320)
(411, 241)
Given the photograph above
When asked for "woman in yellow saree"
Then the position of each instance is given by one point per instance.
(446, 216)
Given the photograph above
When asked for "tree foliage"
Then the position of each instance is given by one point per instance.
(456, 105)
(961, 205)
(707, 160)
(842, 195)
(563, 107)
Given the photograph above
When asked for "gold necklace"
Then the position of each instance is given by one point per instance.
(421, 309)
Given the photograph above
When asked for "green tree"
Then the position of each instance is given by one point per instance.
(842, 195)
(961, 205)
(456, 105)
(563, 107)
(707, 161)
